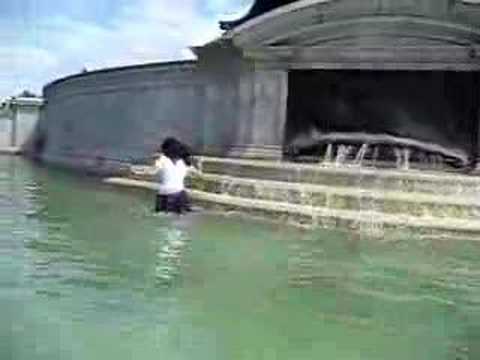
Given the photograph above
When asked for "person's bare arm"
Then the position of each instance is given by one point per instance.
(192, 170)
(148, 170)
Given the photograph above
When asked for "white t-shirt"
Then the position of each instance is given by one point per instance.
(170, 175)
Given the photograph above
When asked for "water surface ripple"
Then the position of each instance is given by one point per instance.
(88, 272)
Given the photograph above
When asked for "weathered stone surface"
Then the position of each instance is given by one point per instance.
(18, 120)
(311, 217)
(350, 206)
(233, 101)
(329, 175)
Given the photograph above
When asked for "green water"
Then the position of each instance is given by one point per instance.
(87, 272)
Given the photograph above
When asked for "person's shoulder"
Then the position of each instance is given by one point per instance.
(162, 161)
(181, 163)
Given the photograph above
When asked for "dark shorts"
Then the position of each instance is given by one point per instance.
(177, 203)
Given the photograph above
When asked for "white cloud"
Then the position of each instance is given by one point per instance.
(18, 59)
(141, 31)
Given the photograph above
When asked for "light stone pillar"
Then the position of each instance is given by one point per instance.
(26, 112)
(265, 133)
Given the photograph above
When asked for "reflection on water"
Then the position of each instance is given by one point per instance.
(88, 272)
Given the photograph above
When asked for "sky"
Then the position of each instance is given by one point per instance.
(42, 40)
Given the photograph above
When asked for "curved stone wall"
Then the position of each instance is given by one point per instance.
(120, 115)
(220, 105)
(233, 100)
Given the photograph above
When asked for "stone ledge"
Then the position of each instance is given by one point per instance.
(337, 197)
(11, 151)
(321, 217)
(437, 183)
(344, 191)
(344, 170)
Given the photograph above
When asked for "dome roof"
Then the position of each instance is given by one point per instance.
(259, 7)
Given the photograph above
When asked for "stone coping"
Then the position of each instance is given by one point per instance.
(10, 151)
(26, 101)
(372, 193)
(146, 66)
(318, 216)
(439, 177)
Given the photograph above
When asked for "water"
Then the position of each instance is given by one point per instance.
(361, 154)
(402, 157)
(383, 139)
(87, 272)
(328, 154)
(342, 154)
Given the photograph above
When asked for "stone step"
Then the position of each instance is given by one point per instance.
(310, 216)
(11, 150)
(366, 178)
(341, 198)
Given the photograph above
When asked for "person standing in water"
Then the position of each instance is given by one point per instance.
(170, 170)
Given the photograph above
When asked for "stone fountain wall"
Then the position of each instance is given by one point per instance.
(119, 115)
(234, 101)
(18, 120)
(220, 105)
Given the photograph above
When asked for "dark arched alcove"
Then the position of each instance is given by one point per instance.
(430, 113)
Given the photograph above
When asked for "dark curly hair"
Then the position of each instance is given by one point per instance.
(176, 150)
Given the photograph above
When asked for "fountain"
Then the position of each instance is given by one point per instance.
(365, 111)
(361, 154)
(399, 152)
(328, 154)
(374, 106)
(343, 151)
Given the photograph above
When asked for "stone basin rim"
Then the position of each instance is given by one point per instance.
(353, 170)
(374, 193)
(352, 218)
